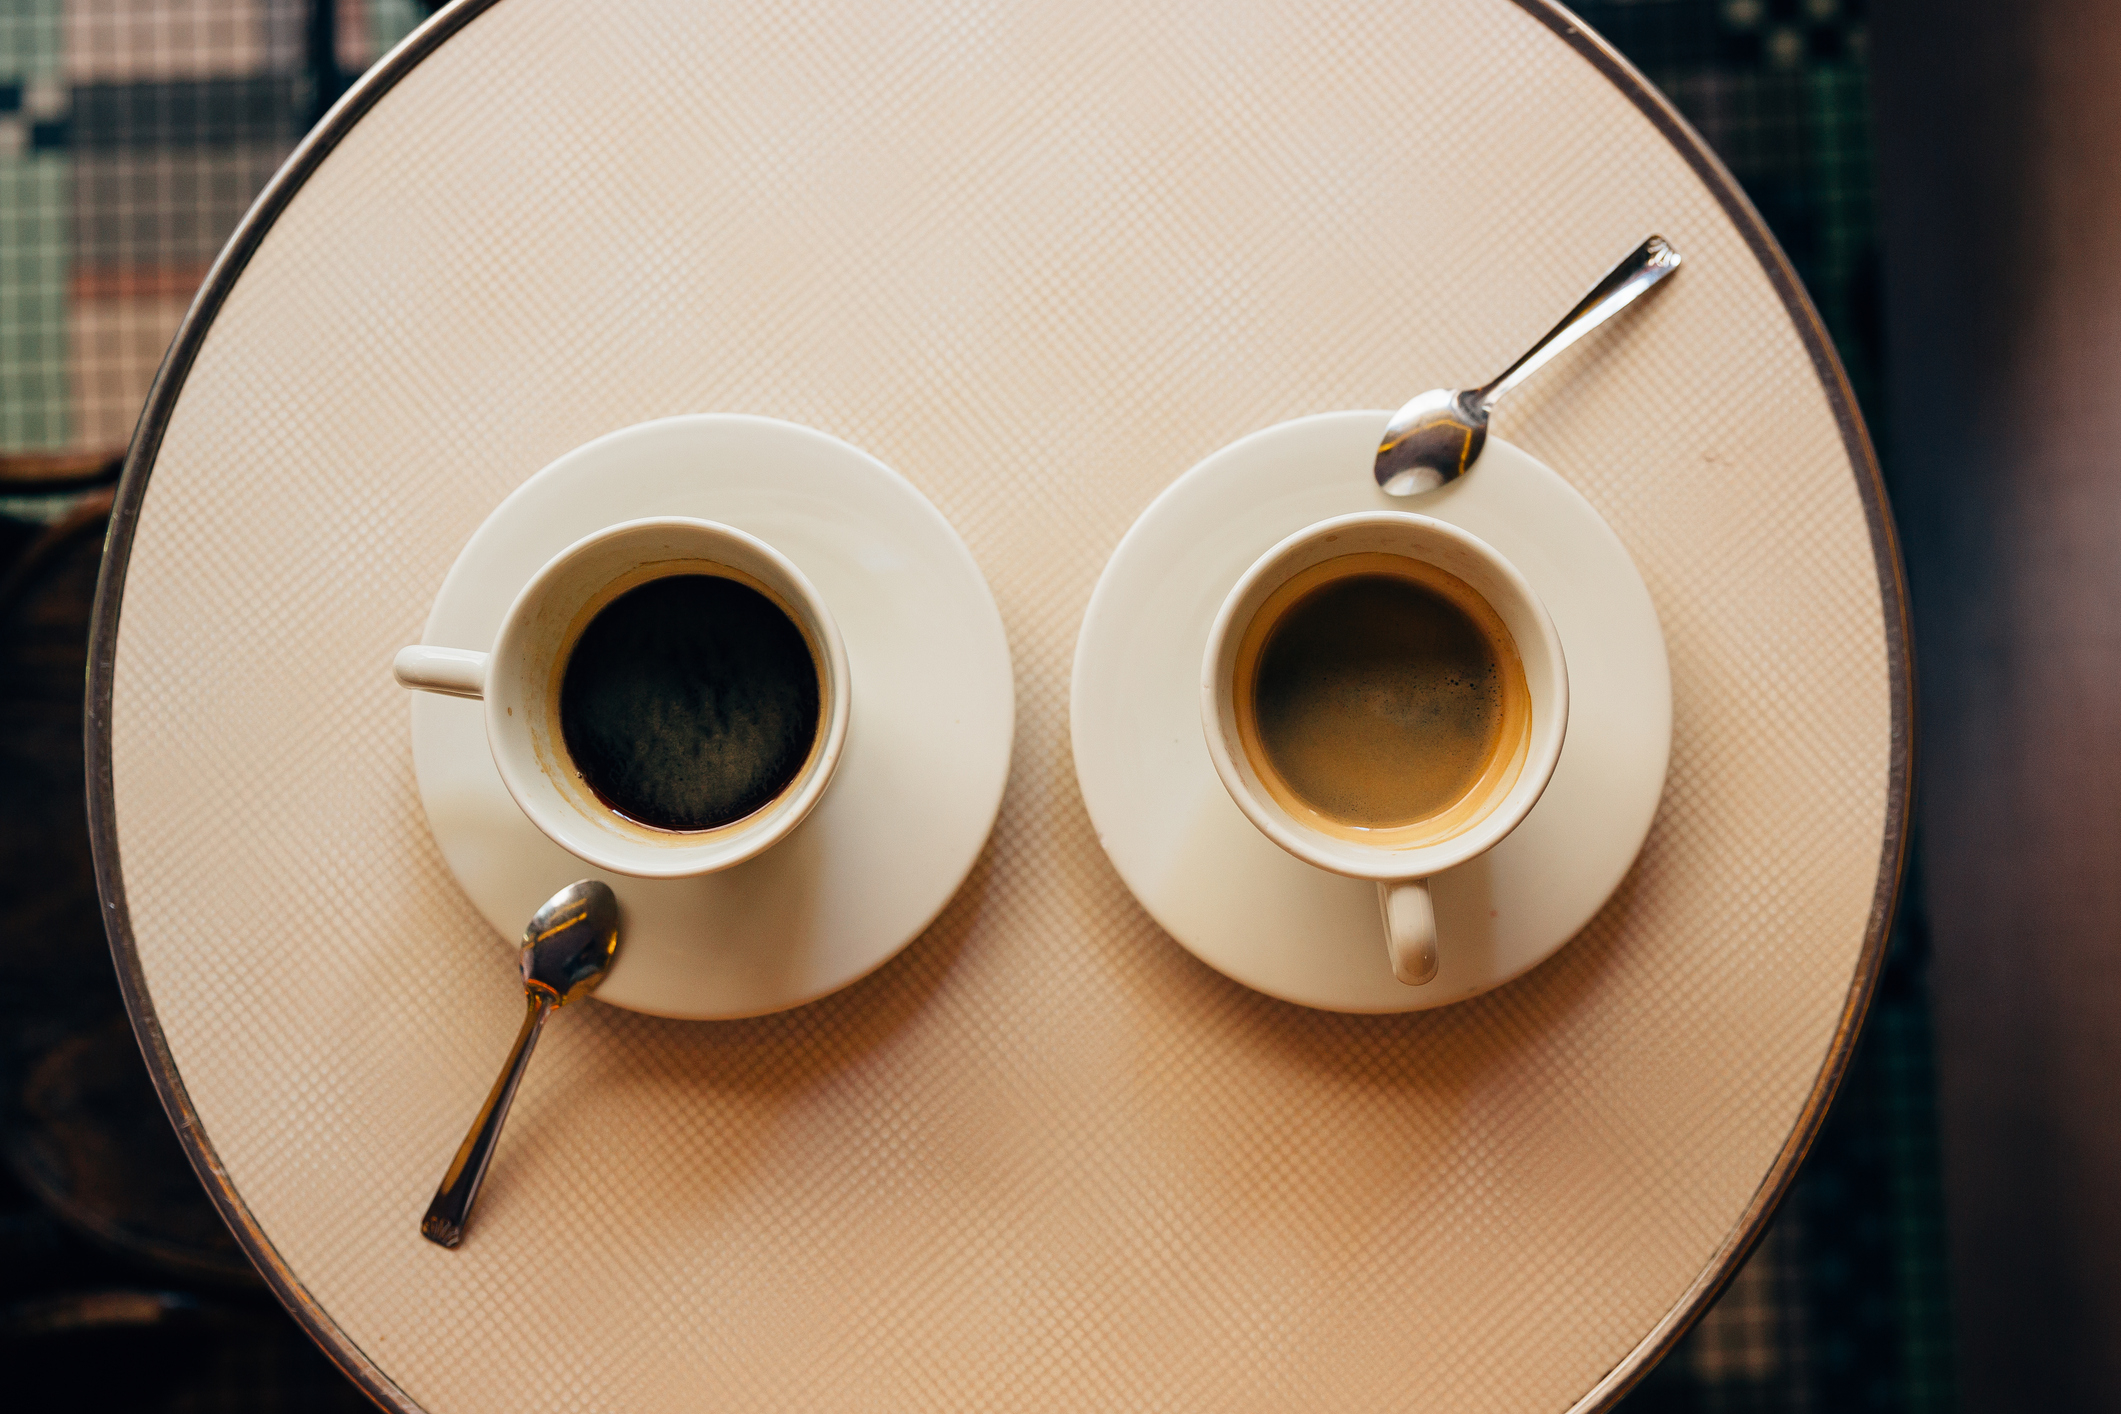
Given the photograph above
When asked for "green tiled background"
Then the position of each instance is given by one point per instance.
(133, 134)
(33, 234)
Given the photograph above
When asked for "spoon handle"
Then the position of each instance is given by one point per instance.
(1645, 266)
(451, 1207)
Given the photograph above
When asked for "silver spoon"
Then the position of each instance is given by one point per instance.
(567, 949)
(1437, 437)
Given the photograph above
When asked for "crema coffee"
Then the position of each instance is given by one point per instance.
(1380, 696)
(690, 702)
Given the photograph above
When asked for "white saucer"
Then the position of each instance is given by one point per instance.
(928, 743)
(1236, 900)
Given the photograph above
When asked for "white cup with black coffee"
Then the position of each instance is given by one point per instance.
(1385, 697)
(666, 697)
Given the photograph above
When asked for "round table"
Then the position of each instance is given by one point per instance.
(1040, 260)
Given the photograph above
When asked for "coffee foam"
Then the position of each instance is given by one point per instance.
(558, 763)
(1514, 733)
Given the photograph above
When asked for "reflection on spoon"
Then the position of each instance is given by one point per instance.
(567, 949)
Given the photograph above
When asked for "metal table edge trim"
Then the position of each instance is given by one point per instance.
(162, 395)
(370, 88)
(1899, 638)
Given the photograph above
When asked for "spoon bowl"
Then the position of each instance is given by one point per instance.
(1431, 441)
(571, 942)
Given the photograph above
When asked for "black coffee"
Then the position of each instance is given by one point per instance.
(689, 702)
(1379, 701)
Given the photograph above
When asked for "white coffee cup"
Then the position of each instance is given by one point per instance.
(519, 681)
(1401, 860)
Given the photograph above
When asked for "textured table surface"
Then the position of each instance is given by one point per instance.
(1040, 262)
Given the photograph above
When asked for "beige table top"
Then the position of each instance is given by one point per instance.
(1040, 259)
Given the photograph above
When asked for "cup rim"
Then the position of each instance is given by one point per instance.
(1347, 857)
(524, 771)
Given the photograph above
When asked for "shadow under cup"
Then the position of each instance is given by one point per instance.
(528, 669)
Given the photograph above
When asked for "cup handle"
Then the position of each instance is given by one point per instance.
(1410, 929)
(452, 672)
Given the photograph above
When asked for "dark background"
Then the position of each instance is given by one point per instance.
(1943, 174)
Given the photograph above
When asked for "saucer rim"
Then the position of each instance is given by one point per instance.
(1082, 710)
(554, 474)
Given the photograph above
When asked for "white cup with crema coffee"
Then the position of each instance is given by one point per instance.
(664, 698)
(1385, 697)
